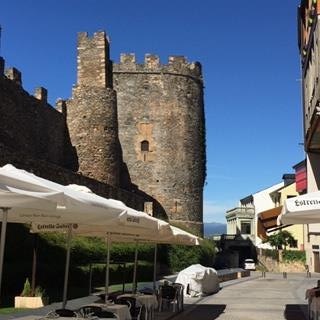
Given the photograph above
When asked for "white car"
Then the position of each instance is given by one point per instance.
(249, 264)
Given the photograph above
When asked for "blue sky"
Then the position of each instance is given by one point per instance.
(248, 51)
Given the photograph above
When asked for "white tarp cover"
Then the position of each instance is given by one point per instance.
(302, 209)
(198, 280)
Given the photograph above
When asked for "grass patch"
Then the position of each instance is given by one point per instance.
(10, 310)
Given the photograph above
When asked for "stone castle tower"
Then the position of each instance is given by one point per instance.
(92, 112)
(141, 127)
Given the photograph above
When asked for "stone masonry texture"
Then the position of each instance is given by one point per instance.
(164, 106)
(133, 132)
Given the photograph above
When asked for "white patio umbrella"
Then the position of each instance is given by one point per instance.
(73, 206)
(67, 205)
(302, 209)
(23, 202)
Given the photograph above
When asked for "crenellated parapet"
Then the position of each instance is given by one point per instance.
(177, 65)
(41, 94)
(14, 75)
(93, 59)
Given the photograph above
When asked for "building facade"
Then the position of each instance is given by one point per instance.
(309, 42)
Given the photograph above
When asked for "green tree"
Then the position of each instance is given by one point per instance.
(281, 239)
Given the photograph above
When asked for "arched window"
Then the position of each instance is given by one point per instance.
(144, 149)
(145, 146)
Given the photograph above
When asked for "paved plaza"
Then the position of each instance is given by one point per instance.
(255, 298)
(250, 298)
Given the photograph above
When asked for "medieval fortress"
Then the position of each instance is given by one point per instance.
(133, 132)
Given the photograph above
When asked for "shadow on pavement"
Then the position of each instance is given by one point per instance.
(203, 312)
(296, 311)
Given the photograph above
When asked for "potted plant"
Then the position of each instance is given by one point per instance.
(29, 300)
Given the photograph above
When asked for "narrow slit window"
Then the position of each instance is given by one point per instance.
(145, 146)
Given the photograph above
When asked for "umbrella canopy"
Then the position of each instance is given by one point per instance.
(71, 205)
(302, 209)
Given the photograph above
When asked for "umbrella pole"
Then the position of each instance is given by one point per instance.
(107, 270)
(134, 284)
(34, 264)
(90, 278)
(66, 272)
(155, 268)
(3, 240)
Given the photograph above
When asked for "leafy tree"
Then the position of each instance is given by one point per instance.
(281, 239)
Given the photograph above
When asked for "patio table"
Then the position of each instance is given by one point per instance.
(122, 311)
(150, 302)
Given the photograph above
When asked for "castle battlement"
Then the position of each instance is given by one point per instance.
(99, 35)
(41, 94)
(93, 59)
(14, 75)
(178, 65)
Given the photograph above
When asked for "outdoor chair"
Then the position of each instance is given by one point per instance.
(180, 289)
(67, 313)
(87, 311)
(96, 311)
(168, 295)
(131, 302)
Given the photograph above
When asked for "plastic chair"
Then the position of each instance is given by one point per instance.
(168, 294)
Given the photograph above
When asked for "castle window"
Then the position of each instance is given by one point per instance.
(145, 146)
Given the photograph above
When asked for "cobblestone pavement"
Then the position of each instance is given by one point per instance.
(254, 298)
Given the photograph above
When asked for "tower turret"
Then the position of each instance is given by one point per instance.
(92, 111)
(162, 133)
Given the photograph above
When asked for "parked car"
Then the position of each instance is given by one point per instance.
(249, 264)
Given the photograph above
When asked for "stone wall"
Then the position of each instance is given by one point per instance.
(92, 121)
(63, 176)
(161, 131)
(30, 125)
(273, 265)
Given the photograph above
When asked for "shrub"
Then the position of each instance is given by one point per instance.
(180, 257)
(293, 255)
(26, 292)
